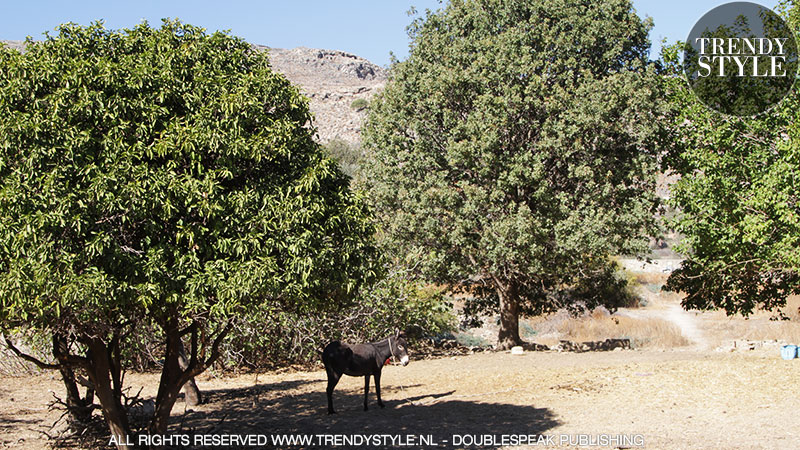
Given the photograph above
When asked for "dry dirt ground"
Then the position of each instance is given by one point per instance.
(672, 399)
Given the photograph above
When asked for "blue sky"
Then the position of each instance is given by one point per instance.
(368, 28)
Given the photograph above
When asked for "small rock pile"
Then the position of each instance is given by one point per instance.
(451, 347)
(593, 346)
(446, 347)
(743, 345)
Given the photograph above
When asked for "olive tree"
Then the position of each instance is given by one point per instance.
(514, 151)
(167, 175)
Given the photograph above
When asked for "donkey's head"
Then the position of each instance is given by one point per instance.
(399, 347)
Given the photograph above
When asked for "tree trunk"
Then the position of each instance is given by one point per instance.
(509, 316)
(173, 377)
(79, 409)
(169, 385)
(191, 392)
(100, 374)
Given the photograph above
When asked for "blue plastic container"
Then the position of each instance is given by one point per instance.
(789, 351)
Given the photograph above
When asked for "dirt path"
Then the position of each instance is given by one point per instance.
(668, 399)
(688, 324)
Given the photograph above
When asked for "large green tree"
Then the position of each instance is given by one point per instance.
(166, 175)
(738, 199)
(514, 151)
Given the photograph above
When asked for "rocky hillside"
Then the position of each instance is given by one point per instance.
(17, 45)
(332, 79)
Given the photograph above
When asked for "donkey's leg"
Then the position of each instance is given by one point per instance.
(378, 387)
(366, 391)
(333, 378)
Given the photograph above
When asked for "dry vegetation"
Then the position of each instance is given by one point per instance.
(761, 326)
(654, 325)
(645, 332)
(600, 325)
(646, 278)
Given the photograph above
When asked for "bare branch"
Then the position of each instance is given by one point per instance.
(41, 364)
(193, 360)
(127, 249)
(84, 382)
(130, 401)
(215, 346)
(192, 372)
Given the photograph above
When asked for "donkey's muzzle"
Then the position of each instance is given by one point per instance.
(404, 360)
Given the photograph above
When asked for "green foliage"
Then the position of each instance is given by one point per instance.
(740, 95)
(168, 177)
(359, 104)
(470, 340)
(143, 349)
(349, 156)
(515, 149)
(738, 203)
(148, 171)
(271, 336)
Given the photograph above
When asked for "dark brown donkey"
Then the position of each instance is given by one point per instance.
(362, 360)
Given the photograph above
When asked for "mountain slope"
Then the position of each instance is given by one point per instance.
(332, 80)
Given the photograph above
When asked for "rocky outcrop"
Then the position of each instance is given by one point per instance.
(332, 80)
(16, 45)
(592, 346)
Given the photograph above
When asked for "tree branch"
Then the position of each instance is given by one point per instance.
(199, 367)
(67, 360)
(193, 360)
(187, 330)
(41, 364)
(215, 346)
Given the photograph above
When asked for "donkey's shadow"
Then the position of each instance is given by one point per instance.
(278, 408)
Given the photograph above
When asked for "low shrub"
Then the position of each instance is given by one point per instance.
(348, 156)
(271, 336)
(470, 340)
(359, 104)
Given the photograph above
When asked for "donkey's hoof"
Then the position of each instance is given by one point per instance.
(330, 411)
(381, 405)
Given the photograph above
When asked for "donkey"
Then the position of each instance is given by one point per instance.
(362, 360)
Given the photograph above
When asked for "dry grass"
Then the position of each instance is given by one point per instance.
(650, 277)
(642, 332)
(600, 325)
(720, 329)
(646, 328)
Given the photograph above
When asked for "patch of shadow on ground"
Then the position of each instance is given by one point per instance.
(278, 409)
(8, 423)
